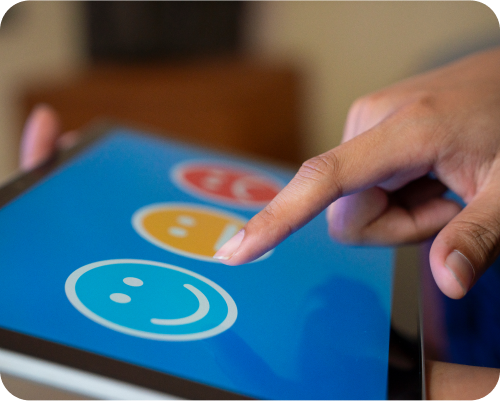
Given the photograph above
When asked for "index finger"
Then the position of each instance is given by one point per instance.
(394, 150)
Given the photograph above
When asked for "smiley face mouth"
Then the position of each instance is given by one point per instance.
(201, 312)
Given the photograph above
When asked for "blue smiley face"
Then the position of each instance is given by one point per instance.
(151, 300)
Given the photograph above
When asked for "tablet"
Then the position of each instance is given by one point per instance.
(109, 287)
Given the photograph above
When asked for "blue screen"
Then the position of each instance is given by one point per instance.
(110, 253)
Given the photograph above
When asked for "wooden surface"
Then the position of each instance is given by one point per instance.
(29, 390)
(229, 104)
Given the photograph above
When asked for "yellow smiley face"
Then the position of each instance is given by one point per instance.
(190, 230)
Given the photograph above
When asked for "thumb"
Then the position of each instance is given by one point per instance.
(39, 136)
(467, 245)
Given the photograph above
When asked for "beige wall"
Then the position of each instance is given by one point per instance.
(344, 49)
(39, 41)
(347, 49)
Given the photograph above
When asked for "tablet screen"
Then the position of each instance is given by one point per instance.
(111, 253)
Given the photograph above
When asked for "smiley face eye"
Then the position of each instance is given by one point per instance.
(133, 282)
(120, 298)
(124, 298)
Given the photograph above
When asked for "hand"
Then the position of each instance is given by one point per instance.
(446, 122)
(42, 137)
(449, 381)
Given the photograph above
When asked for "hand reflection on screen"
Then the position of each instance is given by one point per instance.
(342, 352)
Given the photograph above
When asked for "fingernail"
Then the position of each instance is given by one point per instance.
(230, 247)
(461, 269)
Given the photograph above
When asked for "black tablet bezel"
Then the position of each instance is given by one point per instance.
(405, 378)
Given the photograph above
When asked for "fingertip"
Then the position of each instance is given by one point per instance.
(228, 249)
(465, 248)
(449, 282)
(349, 216)
(42, 115)
(248, 250)
(44, 108)
(253, 241)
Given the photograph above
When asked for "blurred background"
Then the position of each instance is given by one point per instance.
(274, 79)
(269, 79)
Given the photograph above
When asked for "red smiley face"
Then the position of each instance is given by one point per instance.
(229, 184)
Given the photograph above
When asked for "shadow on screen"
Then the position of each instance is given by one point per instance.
(342, 351)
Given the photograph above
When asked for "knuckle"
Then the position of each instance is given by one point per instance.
(363, 107)
(426, 102)
(318, 165)
(367, 102)
(357, 106)
(424, 111)
(422, 124)
(272, 215)
(482, 238)
(325, 166)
